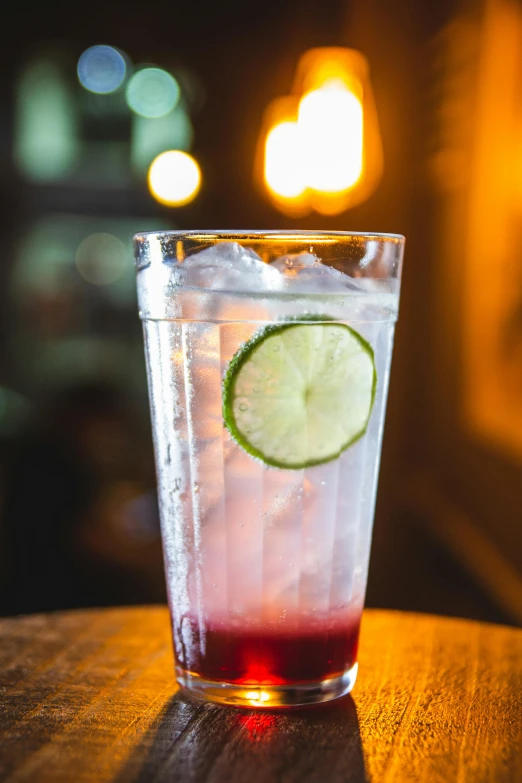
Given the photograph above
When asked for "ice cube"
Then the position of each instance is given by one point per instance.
(304, 273)
(228, 266)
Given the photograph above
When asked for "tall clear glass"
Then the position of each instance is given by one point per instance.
(268, 358)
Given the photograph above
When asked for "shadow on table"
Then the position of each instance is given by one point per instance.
(192, 742)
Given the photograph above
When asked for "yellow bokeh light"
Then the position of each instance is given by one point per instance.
(320, 147)
(322, 150)
(330, 123)
(174, 178)
(283, 165)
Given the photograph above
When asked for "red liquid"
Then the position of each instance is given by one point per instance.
(272, 657)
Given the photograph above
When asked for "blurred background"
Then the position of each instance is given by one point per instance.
(119, 118)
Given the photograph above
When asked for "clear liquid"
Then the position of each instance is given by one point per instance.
(252, 551)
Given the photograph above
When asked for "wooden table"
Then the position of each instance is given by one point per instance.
(90, 696)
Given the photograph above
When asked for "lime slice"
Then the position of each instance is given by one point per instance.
(299, 394)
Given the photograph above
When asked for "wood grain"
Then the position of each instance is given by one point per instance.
(90, 696)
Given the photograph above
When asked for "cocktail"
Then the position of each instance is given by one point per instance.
(268, 357)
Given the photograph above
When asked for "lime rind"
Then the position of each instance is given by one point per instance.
(287, 415)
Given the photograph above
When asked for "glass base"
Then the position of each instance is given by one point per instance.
(267, 696)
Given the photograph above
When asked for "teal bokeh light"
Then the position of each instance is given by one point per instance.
(152, 92)
(46, 139)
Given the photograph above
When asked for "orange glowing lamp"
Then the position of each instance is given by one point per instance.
(280, 157)
(321, 148)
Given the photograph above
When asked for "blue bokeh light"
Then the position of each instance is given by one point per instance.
(101, 69)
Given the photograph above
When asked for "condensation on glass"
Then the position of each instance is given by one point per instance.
(266, 568)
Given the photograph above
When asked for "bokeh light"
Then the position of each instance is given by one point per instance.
(317, 151)
(174, 178)
(101, 69)
(152, 92)
(330, 125)
(101, 259)
(46, 132)
(284, 172)
(320, 148)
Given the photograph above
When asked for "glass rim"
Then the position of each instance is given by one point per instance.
(319, 236)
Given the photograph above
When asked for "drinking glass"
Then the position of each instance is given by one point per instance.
(268, 358)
